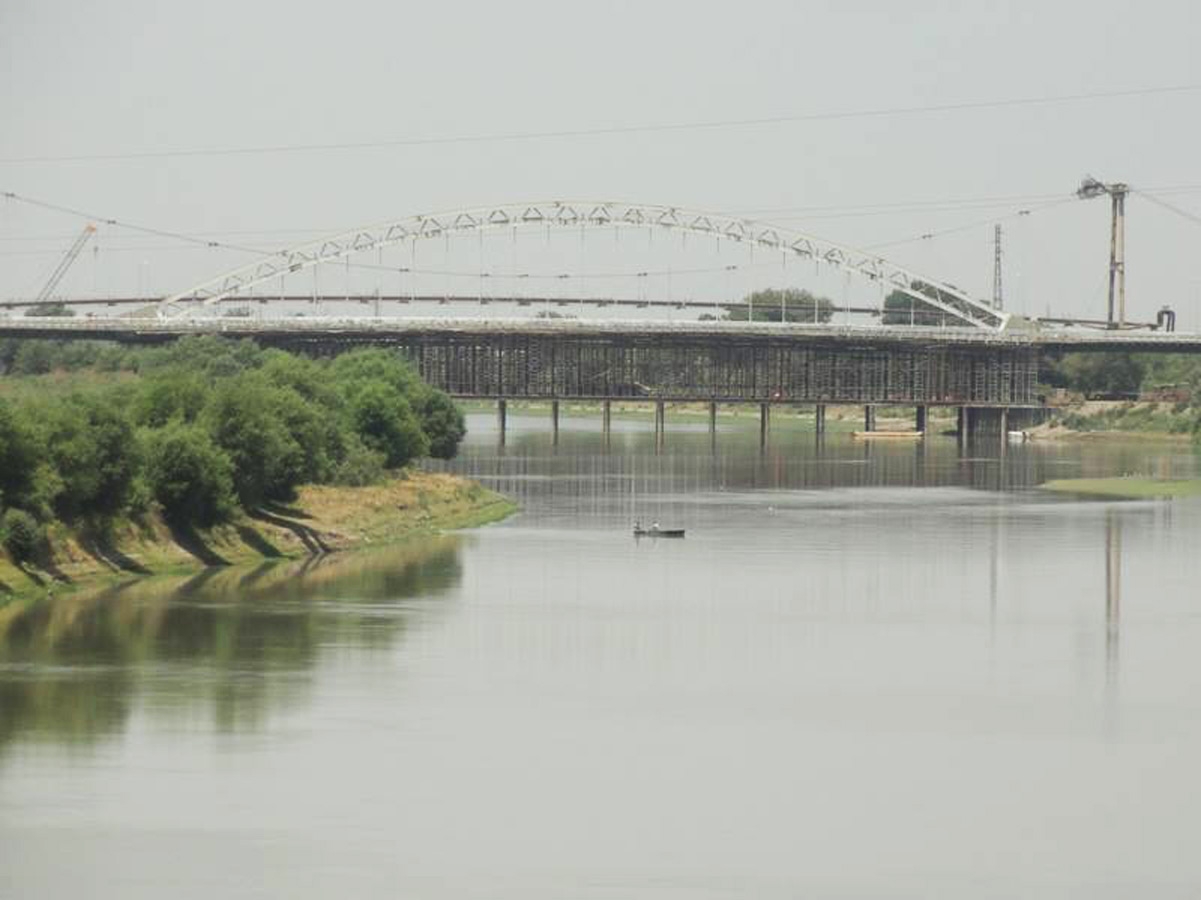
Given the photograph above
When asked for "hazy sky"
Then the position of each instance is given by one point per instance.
(138, 76)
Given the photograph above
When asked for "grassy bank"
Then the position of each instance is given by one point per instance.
(323, 519)
(1106, 419)
(1126, 488)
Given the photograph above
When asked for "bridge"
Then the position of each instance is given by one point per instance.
(983, 360)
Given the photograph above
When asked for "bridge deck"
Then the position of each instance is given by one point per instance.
(382, 330)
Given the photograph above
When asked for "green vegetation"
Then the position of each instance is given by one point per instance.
(787, 305)
(1126, 488)
(51, 309)
(199, 430)
(1160, 394)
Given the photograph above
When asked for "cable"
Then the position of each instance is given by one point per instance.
(175, 235)
(931, 235)
(613, 130)
(1195, 219)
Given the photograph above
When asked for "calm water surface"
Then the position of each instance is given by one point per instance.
(868, 671)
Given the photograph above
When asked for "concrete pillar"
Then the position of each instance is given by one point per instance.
(606, 418)
(554, 420)
(869, 418)
(961, 423)
(660, 423)
(923, 419)
(819, 418)
(502, 411)
(1004, 429)
(713, 418)
(764, 423)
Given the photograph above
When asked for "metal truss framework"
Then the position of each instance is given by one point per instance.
(772, 238)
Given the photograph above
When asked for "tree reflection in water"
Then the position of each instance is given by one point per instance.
(233, 642)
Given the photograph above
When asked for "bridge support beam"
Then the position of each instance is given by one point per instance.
(502, 413)
(554, 421)
(764, 424)
(922, 422)
(869, 418)
(819, 418)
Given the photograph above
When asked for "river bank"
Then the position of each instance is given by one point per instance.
(323, 519)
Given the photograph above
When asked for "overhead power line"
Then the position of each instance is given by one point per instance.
(646, 128)
(1183, 213)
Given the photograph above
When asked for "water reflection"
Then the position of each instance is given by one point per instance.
(236, 642)
(1113, 600)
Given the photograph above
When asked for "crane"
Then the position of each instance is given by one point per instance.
(65, 263)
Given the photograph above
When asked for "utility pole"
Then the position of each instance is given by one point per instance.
(1117, 192)
(997, 297)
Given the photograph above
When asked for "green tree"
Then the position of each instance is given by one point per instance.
(442, 422)
(33, 358)
(90, 443)
(903, 309)
(787, 305)
(167, 397)
(21, 534)
(385, 421)
(20, 454)
(268, 463)
(1102, 373)
(189, 475)
(56, 309)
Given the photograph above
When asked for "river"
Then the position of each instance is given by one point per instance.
(868, 670)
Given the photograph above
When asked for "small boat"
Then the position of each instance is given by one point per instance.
(657, 532)
(888, 435)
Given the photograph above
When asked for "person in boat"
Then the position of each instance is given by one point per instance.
(654, 526)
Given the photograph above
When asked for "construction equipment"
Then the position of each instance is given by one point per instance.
(1117, 192)
(65, 263)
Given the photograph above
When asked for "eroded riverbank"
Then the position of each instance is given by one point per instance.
(322, 520)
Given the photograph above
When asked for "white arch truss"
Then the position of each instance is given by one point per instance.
(788, 242)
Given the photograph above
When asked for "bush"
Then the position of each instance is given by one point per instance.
(190, 477)
(19, 454)
(91, 445)
(360, 465)
(386, 423)
(22, 535)
(442, 423)
(268, 463)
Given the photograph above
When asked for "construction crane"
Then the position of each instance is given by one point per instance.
(65, 263)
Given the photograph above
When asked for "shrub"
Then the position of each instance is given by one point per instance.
(268, 463)
(442, 423)
(386, 423)
(190, 477)
(19, 454)
(360, 465)
(21, 533)
(91, 445)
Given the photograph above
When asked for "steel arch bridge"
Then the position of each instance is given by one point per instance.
(789, 243)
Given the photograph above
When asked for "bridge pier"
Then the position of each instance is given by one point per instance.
(660, 424)
(764, 424)
(922, 419)
(819, 418)
(606, 418)
(712, 420)
(502, 412)
(869, 418)
(961, 424)
(554, 421)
